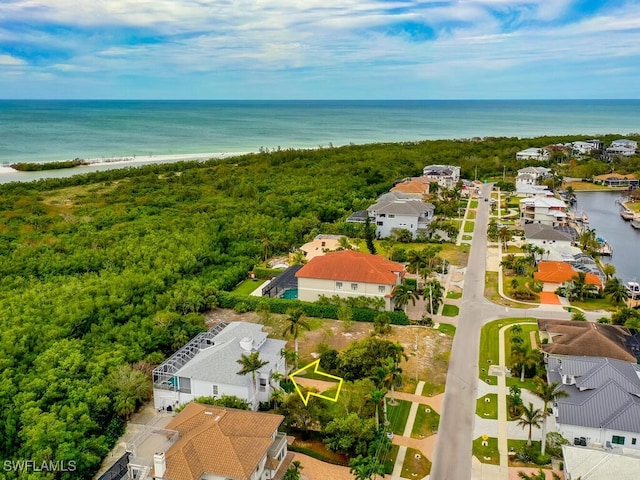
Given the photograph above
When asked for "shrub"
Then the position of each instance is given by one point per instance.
(543, 459)
(398, 254)
(241, 307)
(267, 273)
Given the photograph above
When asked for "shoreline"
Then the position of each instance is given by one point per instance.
(8, 174)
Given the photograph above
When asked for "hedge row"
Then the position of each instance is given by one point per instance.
(314, 454)
(281, 305)
(266, 273)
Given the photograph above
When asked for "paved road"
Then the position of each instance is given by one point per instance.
(452, 456)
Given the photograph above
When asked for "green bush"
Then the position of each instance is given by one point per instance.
(411, 283)
(266, 273)
(543, 460)
(241, 307)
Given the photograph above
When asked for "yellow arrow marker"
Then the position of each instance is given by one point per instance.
(315, 364)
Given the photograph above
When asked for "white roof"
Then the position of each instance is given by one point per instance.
(598, 464)
(549, 202)
(218, 363)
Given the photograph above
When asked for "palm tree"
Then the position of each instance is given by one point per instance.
(617, 289)
(434, 291)
(290, 357)
(293, 472)
(579, 289)
(609, 270)
(402, 294)
(504, 235)
(531, 417)
(296, 323)
(538, 476)
(376, 396)
(547, 392)
(523, 357)
(344, 244)
(250, 364)
(390, 375)
(416, 260)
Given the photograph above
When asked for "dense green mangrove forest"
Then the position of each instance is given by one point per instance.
(104, 275)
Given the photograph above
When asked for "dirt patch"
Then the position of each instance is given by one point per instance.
(430, 363)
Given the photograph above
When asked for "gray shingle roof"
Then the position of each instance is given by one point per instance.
(606, 393)
(539, 231)
(218, 363)
(409, 207)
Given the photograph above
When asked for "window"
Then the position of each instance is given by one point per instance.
(215, 390)
(354, 287)
(338, 285)
(380, 223)
(263, 384)
(381, 289)
(392, 216)
(324, 244)
(616, 440)
(633, 441)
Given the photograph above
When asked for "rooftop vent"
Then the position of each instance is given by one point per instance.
(246, 344)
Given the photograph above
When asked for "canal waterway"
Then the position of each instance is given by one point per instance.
(604, 216)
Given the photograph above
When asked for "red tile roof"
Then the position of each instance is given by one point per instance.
(560, 272)
(351, 266)
(218, 441)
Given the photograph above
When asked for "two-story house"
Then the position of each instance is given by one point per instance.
(445, 175)
(603, 403)
(533, 153)
(207, 367)
(347, 274)
(397, 210)
(529, 177)
(216, 443)
(547, 210)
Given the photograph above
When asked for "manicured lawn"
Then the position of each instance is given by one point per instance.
(488, 409)
(415, 465)
(491, 292)
(582, 186)
(473, 204)
(390, 460)
(447, 329)
(488, 454)
(450, 310)
(246, 287)
(454, 295)
(426, 422)
(468, 226)
(467, 237)
(397, 415)
(517, 445)
(489, 346)
(471, 215)
(595, 304)
(512, 249)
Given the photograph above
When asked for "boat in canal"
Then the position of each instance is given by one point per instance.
(627, 214)
(635, 223)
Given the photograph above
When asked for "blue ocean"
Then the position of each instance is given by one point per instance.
(43, 130)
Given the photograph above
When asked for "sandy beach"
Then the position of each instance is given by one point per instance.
(8, 174)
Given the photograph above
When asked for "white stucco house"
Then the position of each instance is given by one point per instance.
(530, 177)
(446, 175)
(207, 366)
(603, 405)
(533, 153)
(397, 210)
(347, 274)
(586, 147)
(547, 210)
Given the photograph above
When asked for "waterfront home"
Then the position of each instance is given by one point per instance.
(530, 176)
(349, 274)
(616, 180)
(603, 404)
(570, 338)
(554, 274)
(220, 443)
(533, 153)
(446, 175)
(544, 235)
(547, 210)
(208, 366)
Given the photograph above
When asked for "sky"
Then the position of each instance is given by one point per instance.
(319, 49)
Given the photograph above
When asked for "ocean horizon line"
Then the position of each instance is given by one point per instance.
(621, 99)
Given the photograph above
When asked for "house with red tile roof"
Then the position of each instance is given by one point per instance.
(554, 274)
(349, 274)
(214, 442)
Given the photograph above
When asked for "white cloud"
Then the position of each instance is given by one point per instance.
(9, 60)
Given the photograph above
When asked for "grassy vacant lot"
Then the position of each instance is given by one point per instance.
(248, 286)
(468, 226)
(595, 304)
(582, 186)
(447, 329)
(488, 454)
(390, 460)
(488, 409)
(426, 422)
(415, 465)
(397, 415)
(450, 310)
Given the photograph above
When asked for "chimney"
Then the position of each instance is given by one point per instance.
(159, 465)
